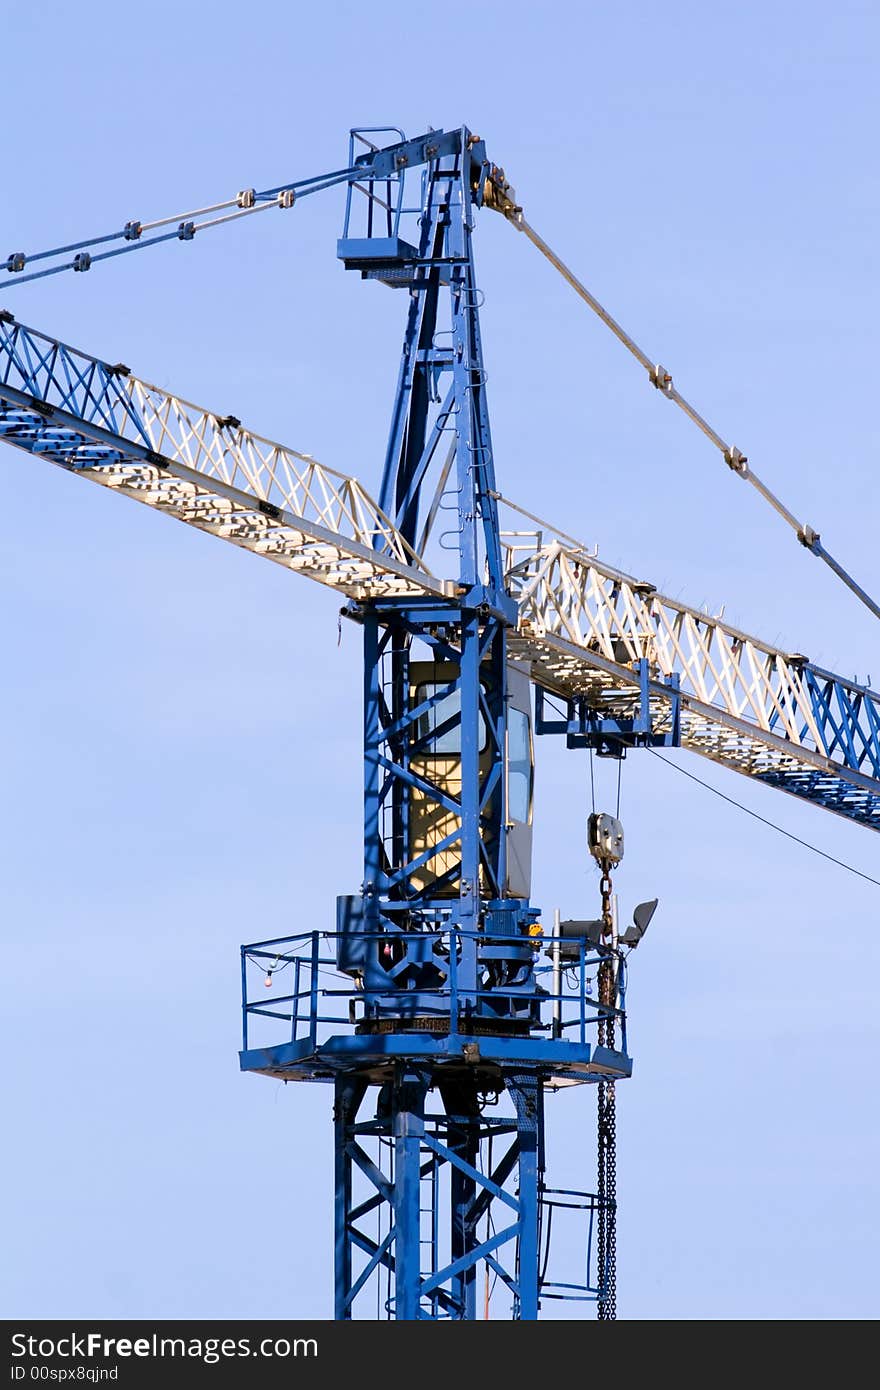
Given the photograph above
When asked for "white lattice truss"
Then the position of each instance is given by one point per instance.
(312, 520)
(582, 626)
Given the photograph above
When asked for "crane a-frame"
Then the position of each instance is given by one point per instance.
(435, 992)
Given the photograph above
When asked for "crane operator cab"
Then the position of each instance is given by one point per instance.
(404, 975)
(436, 759)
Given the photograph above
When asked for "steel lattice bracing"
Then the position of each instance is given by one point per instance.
(432, 1123)
(763, 712)
(441, 946)
(203, 468)
(581, 625)
(436, 842)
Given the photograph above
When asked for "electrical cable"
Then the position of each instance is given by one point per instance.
(764, 821)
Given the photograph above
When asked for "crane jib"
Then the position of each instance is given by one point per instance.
(440, 979)
(582, 627)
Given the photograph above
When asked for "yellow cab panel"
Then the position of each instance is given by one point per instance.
(439, 762)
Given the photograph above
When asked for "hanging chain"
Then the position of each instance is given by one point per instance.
(607, 1135)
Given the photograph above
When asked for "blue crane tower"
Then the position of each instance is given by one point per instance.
(437, 1006)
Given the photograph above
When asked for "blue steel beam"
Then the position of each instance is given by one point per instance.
(417, 897)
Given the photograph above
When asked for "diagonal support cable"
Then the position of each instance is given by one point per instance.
(502, 199)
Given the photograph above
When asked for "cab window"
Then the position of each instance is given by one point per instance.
(446, 744)
(519, 767)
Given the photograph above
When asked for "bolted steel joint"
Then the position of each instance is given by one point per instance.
(737, 461)
(662, 379)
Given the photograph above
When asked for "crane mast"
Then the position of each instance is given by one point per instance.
(442, 940)
(438, 1009)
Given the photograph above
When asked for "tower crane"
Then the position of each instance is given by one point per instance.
(437, 1006)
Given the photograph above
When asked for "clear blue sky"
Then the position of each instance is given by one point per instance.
(181, 763)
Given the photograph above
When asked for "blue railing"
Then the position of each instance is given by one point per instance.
(321, 1001)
